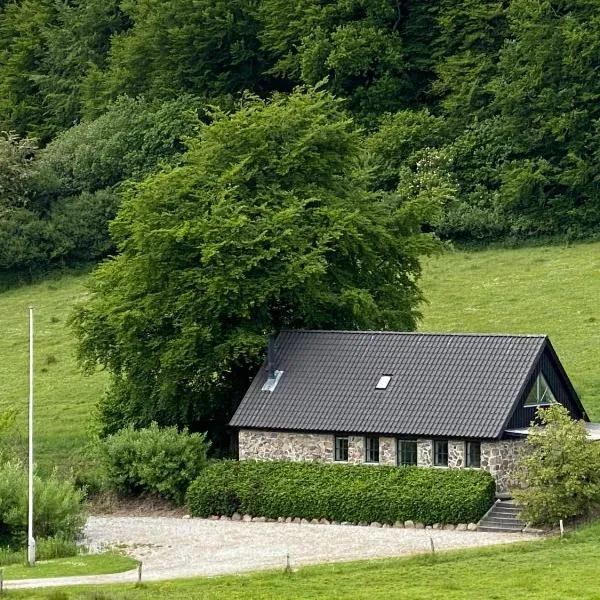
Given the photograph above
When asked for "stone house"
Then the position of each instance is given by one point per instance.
(433, 400)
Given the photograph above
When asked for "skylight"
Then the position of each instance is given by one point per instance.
(271, 383)
(383, 382)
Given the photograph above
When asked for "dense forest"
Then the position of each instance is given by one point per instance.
(258, 164)
(500, 98)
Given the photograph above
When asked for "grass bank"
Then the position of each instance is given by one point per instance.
(552, 569)
(64, 397)
(73, 566)
(552, 289)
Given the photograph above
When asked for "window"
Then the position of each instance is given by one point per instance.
(474, 455)
(372, 449)
(271, 383)
(540, 393)
(383, 382)
(407, 452)
(440, 453)
(341, 448)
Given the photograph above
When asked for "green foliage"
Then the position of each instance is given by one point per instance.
(46, 50)
(45, 549)
(355, 45)
(547, 93)
(399, 142)
(56, 203)
(128, 141)
(513, 87)
(471, 35)
(351, 493)
(266, 224)
(152, 460)
(16, 171)
(559, 472)
(79, 226)
(58, 509)
(205, 48)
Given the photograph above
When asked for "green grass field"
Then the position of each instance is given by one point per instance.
(64, 398)
(551, 569)
(554, 290)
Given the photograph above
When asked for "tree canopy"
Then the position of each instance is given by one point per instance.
(268, 223)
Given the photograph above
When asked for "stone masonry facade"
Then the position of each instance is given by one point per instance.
(497, 457)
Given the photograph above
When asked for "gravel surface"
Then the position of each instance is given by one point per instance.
(171, 548)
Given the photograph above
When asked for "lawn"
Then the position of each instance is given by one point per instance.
(553, 290)
(64, 398)
(552, 569)
(84, 564)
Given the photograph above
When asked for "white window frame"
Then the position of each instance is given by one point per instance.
(546, 398)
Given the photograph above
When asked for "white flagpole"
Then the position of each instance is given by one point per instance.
(30, 538)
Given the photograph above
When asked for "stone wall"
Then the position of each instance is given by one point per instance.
(283, 445)
(500, 459)
(424, 453)
(279, 445)
(387, 451)
(456, 453)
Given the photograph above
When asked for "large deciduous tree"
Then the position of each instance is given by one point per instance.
(267, 224)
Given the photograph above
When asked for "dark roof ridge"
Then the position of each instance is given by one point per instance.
(428, 333)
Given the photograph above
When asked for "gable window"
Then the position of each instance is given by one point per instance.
(341, 448)
(540, 394)
(407, 452)
(372, 449)
(440, 453)
(474, 455)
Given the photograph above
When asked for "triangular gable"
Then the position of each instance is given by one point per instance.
(546, 383)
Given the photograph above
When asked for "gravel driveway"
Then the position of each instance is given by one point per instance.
(174, 547)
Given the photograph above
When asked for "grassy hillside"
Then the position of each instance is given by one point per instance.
(553, 290)
(63, 396)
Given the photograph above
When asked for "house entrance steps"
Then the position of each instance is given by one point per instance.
(502, 516)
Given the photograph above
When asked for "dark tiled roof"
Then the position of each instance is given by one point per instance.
(442, 384)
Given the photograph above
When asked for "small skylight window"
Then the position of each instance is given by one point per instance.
(271, 383)
(383, 382)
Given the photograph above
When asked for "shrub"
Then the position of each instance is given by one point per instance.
(58, 508)
(559, 472)
(153, 460)
(352, 493)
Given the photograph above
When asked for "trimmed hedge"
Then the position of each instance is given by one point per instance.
(354, 493)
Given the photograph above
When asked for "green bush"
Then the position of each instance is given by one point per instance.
(162, 461)
(351, 493)
(58, 508)
(558, 474)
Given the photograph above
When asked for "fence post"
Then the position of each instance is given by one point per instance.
(139, 571)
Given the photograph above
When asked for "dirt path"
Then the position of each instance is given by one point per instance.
(171, 548)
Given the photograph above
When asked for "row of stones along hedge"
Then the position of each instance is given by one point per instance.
(353, 493)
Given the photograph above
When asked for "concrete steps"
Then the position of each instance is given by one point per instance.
(503, 516)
